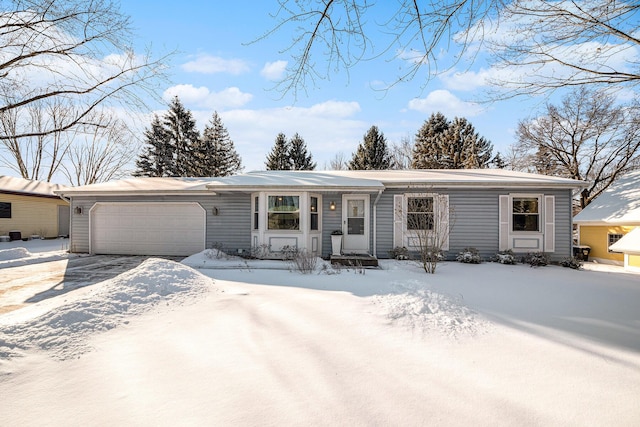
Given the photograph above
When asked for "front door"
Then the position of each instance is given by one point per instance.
(355, 223)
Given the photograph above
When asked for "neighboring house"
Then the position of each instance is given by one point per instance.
(488, 209)
(609, 217)
(629, 245)
(32, 208)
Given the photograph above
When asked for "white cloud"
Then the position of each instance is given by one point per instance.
(327, 128)
(209, 64)
(274, 70)
(446, 103)
(202, 97)
(466, 81)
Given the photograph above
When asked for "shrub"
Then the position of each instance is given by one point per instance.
(469, 256)
(506, 257)
(260, 251)
(572, 262)
(400, 253)
(537, 259)
(304, 261)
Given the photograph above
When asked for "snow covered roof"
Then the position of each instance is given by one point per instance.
(141, 185)
(629, 244)
(461, 177)
(295, 180)
(365, 181)
(618, 204)
(10, 184)
(375, 179)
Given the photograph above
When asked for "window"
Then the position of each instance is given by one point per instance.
(313, 211)
(420, 213)
(5, 210)
(611, 239)
(256, 212)
(526, 214)
(284, 213)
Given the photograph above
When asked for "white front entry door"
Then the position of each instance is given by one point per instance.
(355, 223)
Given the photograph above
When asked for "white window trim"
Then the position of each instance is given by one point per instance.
(540, 198)
(609, 244)
(440, 201)
(303, 206)
(510, 239)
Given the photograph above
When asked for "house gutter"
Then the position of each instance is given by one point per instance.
(375, 218)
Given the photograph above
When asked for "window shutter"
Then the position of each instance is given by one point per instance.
(503, 232)
(398, 225)
(549, 223)
(443, 219)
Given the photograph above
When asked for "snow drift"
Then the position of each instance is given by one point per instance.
(62, 331)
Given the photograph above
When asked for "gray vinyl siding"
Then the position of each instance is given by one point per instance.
(384, 223)
(331, 220)
(231, 226)
(474, 220)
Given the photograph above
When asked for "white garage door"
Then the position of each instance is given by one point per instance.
(147, 228)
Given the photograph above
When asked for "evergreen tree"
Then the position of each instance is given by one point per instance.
(216, 154)
(278, 157)
(427, 153)
(299, 157)
(183, 136)
(372, 153)
(464, 148)
(499, 162)
(441, 144)
(157, 157)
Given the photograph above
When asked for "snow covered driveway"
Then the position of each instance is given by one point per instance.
(470, 345)
(28, 284)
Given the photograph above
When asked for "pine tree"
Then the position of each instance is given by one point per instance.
(441, 144)
(427, 152)
(499, 162)
(299, 157)
(372, 153)
(464, 148)
(278, 157)
(216, 154)
(183, 136)
(157, 157)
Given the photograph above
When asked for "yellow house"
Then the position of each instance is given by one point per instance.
(610, 217)
(630, 246)
(30, 208)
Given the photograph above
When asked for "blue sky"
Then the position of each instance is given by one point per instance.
(219, 68)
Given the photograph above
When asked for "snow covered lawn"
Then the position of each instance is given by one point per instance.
(486, 344)
(28, 252)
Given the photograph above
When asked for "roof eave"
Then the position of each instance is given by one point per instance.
(492, 185)
(133, 192)
(311, 188)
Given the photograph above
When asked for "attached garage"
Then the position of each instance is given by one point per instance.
(167, 228)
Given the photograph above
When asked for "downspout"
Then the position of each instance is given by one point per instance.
(375, 218)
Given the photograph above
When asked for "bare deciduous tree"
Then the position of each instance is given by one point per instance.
(402, 153)
(39, 155)
(337, 163)
(100, 152)
(586, 137)
(426, 220)
(65, 55)
(554, 44)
